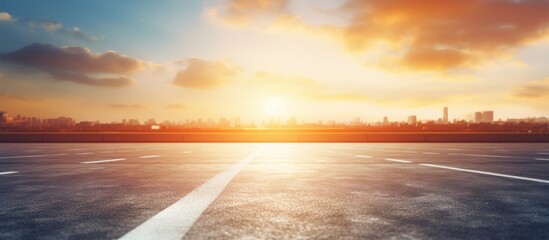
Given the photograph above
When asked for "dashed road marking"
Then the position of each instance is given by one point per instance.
(187, 152)
(542, 159)
(486, 173)
(397, 160)
(106, 160)
(174, 221)
(34, 156)
(84, 153)
(431, 153)
(150, 156)
(363, 156)
(10, 172)
(480, 155)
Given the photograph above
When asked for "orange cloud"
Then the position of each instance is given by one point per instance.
(446, 34)
(76, 64)
(241, 12)
(534, 90)
(202, 74)
(429, 34)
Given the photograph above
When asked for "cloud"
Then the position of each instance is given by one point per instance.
(533, 90)
(243, 12)
(427, 34)
(50, 26)
(127, 106)
(176, 106)
(4, 16)
(202, 74)
(77, 64)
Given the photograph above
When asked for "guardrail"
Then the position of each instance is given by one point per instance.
(269, 137)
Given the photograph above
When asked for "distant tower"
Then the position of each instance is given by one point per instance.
(412, 120)
(478, 117)
(488, 116)
(445, 115)
(385, 121)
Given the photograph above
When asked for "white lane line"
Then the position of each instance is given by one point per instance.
(6, 173)
(397, 160)
(34, 156)
(363, 156)
(431, 153)
(404, 151)
(480, 155)
(150, 156)
(84, 153)
(542, 153)
(174, 221)
(542, 159)
(103, 161)
(486, 173)
(187, 152)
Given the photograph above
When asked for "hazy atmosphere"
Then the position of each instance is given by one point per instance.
(314, 60)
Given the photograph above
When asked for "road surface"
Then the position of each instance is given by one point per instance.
(281, 191)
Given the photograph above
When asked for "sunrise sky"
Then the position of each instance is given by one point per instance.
(310, 59)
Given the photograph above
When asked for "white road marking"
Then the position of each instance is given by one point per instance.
(397, 160)
(84, 153)
(174, 221)
(486, 173)
(363, 156)
(187, 152)
(34, 156)
(6, 173)
(480, 155)
(150, 156)
(431, 153)
(542, 159)
(404, 151)
(103, 161)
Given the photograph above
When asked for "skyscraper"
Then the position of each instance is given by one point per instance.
(478, 117)
(445, 115)
(488, 116)
(412, 120)
(385, 121)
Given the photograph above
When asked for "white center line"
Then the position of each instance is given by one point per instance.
(486, 173)
(6, 173)
(363, 156)
(431, 153)
(84, 153)
(480, 155)
(107, 160)
(150, 156)
(397, 160)
(174, 221)
(542, 159)
(34, 156)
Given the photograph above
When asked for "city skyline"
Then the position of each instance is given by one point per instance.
(335, 59)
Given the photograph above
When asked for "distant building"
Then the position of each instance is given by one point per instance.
(478, 117)
(445, 115)
(385, 121)
(488, 116)
(292, 122)
(3, 117)
(412, 120)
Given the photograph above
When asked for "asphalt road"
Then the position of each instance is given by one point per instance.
(274, 191)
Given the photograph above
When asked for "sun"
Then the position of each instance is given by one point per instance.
(275, 107)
